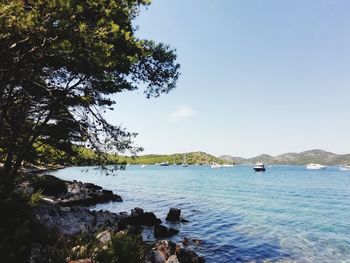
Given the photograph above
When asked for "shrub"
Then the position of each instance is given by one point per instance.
(123, 248)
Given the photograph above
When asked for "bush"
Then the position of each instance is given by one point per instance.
(50, 185)
(123, 248)
(20, 231)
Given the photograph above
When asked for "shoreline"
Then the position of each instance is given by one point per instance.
(68, 214)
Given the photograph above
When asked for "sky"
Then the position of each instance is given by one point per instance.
(256, 77)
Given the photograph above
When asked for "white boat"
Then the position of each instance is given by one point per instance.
(344, 168)
(144, 165)
(315, 166)
(164, 164)
(259, 167)
(227, 165)
(216, 165)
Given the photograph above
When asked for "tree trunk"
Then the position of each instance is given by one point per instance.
(7, 179)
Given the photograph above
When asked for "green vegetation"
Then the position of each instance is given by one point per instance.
(178, 158)
(123, 248)
(20, 231)
(61, 61)
(85, 157)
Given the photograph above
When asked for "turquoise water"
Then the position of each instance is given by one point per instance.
(287, 214)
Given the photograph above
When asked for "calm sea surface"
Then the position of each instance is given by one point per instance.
(287, 214)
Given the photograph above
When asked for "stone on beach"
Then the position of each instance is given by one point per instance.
(168, 252)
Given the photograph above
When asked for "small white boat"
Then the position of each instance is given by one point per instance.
(164, 164)
(315, 166)
(144, 165)
(344, 168)
(216, 165)
(227, 165)
(259, 167)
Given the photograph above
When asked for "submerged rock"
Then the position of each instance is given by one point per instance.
(139, 217)
(173, 215)
(161, 231)
(188, 256)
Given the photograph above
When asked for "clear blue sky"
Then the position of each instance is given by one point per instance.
(257, 77)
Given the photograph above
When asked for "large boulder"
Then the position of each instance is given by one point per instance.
(173, 215)
(86, 194)
(75, 220)
(168, 252)
(139, 217)
(50, 185)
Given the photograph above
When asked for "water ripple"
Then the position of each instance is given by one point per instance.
(287, 214)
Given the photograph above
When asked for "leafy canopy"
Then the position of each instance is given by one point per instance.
(61, 60)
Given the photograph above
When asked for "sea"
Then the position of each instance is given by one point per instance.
(286, 214)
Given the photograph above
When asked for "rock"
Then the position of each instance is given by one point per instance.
(104, 237)
(80, 195)
(173, 231)
(172, 259)
(188, 256)
(92, 186)
(161, 231)
(138, 217)
(196, 242)
(155, 257)
(137, 211)
(186, 242)
(161, 252)
(182, 220)
(150, 219)
(76, 220)
(173, 215)
(168, 252)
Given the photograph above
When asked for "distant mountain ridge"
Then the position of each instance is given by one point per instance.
(311, 156)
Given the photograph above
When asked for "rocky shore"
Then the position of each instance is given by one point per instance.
(64, 209)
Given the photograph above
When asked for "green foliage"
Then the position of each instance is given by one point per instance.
(46, 154)
(123, 248)
(14, 228)
(49, 185)
(36, 197)
(61, 61)
(20, 231)
(178, 158)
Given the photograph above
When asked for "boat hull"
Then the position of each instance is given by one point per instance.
(259, 169)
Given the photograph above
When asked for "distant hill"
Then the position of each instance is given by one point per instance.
(177, 158)
(312, 156)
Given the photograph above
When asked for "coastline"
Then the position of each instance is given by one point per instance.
(67, 214)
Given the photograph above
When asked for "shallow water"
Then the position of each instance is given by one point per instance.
(287, 214)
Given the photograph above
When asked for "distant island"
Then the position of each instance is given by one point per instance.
(190, 158)
(302, 158)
